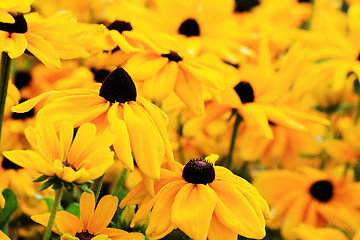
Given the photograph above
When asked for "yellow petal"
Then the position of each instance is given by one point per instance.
(103, 214)
(19, 45)
(122, 145)
(192, 210)
(29, 104)
(87, 206)
(219, 231)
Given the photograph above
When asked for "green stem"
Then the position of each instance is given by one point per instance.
(233, 140)
(4, 80)
(54, 209)
(97, 186)
(119, 183)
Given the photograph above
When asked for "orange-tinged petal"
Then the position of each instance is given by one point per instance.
(192, 210)
(122, 145)
(118, 234)
(87, 206)
(103, 214)
(64, 222)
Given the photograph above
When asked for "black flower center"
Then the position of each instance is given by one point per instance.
(245, 92)
(245, 5)
(322, 190)
(24, 115)
(84, 235)
(19, 26)
(189, 28)
(172, 56)
(120, 26)
(22, 79)
(118, 87)
(100, 74)
(7, 164)
(199, 171)
(300, 1)
(66, 164)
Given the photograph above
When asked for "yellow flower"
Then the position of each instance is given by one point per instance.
(173, 69)
(310, 196)
(202, 25)
(85, 158)
(202, 201)
(93, 221)
(138, 125)
(48, 39)
(263, 95)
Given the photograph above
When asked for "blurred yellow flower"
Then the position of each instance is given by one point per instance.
(8, 6)
(203, 201)
(307, 232)
(310, 196)
(93, 221)
(84, 158)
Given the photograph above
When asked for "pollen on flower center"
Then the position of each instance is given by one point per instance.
(66, 164)
(120, 26)
(20, 25)
(322, 190)
(245, 92)
(189, 28)
(199, 171)
(118, 87)
(84, 235)
(7, 164)
(172, 56)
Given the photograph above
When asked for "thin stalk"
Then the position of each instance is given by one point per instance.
(4, 81)
(233, 140)
(119, 183)
(54, 209)
(97, 186)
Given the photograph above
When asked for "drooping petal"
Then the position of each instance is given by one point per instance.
(218, 231)
(87, 206)
(192, 210)
(103, 214)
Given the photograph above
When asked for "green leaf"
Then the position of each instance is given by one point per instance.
(10, 207)
(47, 184)
(74, 209)
(41, 178)
(85, 188)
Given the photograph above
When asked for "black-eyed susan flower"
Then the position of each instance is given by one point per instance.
(85, 158)
(203, 201)
(138, 125)
(159, 73)
(48, 39)
(310, 196)
(93, 221)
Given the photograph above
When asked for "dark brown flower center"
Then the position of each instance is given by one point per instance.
(19, 26)
(189, 28)
(322, 190)
(245, 92)
(300, 1)
(100, 74)
(118, 87)
(24, 115)
(7, 164)
(66, 164)
(22, 79)
(172, 56)
(120, 26)
(199, 172)
(245, 5)
(84, 235)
